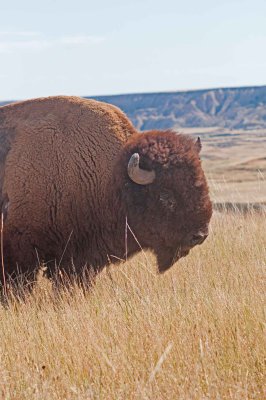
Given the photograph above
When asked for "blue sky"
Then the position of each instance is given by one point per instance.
(85, 47)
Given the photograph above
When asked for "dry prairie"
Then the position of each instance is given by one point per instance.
(196, 332)
(235, 163)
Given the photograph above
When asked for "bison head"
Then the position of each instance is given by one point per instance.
(165, 194)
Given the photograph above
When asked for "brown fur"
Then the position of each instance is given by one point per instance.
(65, 189)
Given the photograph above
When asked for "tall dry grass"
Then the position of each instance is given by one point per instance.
(196, 332)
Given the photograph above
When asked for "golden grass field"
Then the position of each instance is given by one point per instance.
(235, 163)
(196, 332)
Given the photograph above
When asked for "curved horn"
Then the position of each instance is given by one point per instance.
(138, 175)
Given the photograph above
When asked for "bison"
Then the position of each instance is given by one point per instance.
(80, 186)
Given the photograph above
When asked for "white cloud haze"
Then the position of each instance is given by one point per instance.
(15, 41)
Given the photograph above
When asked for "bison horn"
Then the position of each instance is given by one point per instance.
(138, 175)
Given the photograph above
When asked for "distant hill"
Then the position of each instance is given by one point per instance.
(233, 108)
(230, 108)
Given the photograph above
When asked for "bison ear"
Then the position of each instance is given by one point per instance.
(198, 144)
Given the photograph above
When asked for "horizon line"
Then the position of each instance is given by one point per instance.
(145, 93)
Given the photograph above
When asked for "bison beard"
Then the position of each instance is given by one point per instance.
(73, 170)
(167, 258)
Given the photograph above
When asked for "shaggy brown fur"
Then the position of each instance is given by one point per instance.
(66, 194)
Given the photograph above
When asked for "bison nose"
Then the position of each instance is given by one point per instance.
(198, 238)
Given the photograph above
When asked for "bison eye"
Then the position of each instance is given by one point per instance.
(167, 200)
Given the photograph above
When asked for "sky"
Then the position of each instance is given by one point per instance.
(100, 47)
